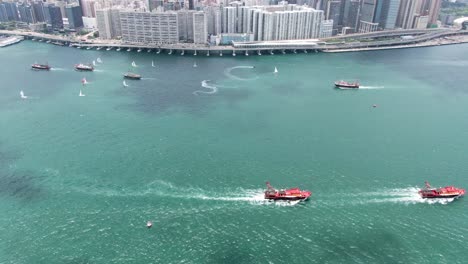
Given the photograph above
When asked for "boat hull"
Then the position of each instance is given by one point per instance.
(132, 77)
(40, 67)
(287, 198)
(83, 69)
(441, 196)
(341, 86)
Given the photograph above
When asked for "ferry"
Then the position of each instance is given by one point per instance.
(443, 192)
(347, 85)
(83, 67)
(132, 76)
(293, 194)
(37, 66)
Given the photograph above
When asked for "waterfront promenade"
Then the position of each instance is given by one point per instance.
(346, 43)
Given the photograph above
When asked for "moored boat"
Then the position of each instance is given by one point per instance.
(83, 67)
(443, 192)
(133, 76)
(37, 66)
(347, 85)
(293, 194)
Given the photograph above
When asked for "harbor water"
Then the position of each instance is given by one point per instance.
(190, 149)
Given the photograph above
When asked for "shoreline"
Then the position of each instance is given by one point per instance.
(429, 38)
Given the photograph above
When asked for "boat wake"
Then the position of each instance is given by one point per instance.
(58, 69)
(408, 195)
(370, 87)
(152, 79)
(228, 73)
(165, 189)
(205, 84)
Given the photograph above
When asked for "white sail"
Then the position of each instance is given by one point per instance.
(152, 63)
(84, 81)
(134, 64)
(94, 63)
(81, 93)
(276, 70)
(125, 84)
(195, 65)
(99, 60)
(22, 95)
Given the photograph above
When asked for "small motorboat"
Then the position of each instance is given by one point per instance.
(346, 85)
(149, 224)
(293, 194)
(133, 76)
(443, 192)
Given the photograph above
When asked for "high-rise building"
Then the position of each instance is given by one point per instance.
(89, 8)
(333, 12)
(229, 19)
(420, 22)
(431, 8)
(368, 10)
(407, 13)
(185, 24)
(3, 13)
(108, 23)
(351, 14)
(149, 27)
(386, 13)
(200, 28)
(12, 11)
(38, 11)
(74, 15)
(55, 17)
(213, 18)
(326, 29)
(26, 14)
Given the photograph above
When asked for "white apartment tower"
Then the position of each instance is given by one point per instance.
(200, 28)
(149, 27)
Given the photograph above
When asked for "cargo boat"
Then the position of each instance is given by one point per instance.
(443, 192)
(293, 194)
(37, 66)
(346, 85)
(132, 76)
(83, 67)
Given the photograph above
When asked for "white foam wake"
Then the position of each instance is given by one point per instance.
(371, 87)
(205, 84)
(228, 73)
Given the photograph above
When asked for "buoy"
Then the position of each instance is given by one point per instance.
(374, 106)
(149, 224)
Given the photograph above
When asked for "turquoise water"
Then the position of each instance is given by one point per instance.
(80, 176)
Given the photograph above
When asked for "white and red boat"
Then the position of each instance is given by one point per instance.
(83, 67)
(443, 192)
(292, 194)
(346, 85)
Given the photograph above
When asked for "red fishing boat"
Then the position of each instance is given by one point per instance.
(346, 85)
(292, 194)
(443, 192)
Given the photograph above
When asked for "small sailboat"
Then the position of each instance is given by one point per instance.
(195, 65)
(84, 81)
(134, 64)
(152, 64)
(81, 93)
(22, 95)
(149, 224)
(94, 63)
(99, 60)
(276, 70)
(125, 84)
